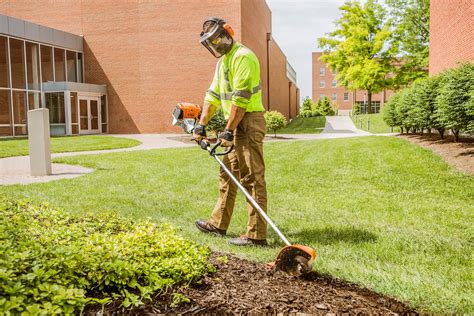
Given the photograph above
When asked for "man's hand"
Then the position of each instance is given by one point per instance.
(226, 138)
(199, 132)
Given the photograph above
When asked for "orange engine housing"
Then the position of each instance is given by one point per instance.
(186, 110)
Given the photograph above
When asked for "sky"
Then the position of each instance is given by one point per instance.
(296, 26)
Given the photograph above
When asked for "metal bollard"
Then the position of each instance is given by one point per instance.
(368, 124)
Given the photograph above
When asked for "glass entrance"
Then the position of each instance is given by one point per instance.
(89, 115)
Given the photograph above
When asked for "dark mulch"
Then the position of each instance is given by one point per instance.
(244, 287)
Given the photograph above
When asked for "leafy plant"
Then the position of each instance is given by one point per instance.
(307, 109)
(54, 263)
(275, 121)
(217, 123)
(456, 100)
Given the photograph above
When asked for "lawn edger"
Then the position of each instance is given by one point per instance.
(292, 259)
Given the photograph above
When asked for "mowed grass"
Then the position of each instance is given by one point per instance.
(381, 212)
(304, 125)
(11, 147)
(377, 125)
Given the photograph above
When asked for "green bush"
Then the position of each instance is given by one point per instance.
(54, 263)
(217, 123)
(307, 109)
(275, 121)
(455, 100)
(389, 112)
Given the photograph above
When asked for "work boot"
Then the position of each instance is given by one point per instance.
(244, 240)
(208, 228)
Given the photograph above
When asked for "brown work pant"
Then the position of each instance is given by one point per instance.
(246, 163)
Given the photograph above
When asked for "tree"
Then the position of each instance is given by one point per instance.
(389, 111)
(361, 48)
(275, 121)
(307, 107)
(455, 99)
(412, 33)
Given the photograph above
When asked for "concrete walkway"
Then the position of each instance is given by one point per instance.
(15, 170)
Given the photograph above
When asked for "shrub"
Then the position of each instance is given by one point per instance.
(389, 112)
(356, 109)
(217, 123)
(54, 263)
(275, 121)
(323, 107)
(455, 99)
(307, 108)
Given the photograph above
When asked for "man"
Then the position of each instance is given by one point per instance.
(236, 88)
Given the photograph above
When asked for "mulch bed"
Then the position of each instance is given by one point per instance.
(244, 287)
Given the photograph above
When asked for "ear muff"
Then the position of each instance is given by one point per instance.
(229, 29)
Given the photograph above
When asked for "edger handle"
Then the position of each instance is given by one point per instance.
(212, 149)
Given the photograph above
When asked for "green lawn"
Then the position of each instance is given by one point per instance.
(10, 147)
(304, 125)
(376, 125)
(380, 211)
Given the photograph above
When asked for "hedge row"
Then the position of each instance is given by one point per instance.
(443, 102)
(54, 263)
(321, 108)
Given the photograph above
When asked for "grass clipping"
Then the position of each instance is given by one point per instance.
(52, 262)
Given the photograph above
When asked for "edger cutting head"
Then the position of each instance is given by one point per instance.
(186, 115)
(296, 259)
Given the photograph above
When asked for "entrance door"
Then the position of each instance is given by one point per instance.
(89, 115)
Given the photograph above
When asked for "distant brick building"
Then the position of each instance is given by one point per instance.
(451, 34)
(325, 85)
(146, 53)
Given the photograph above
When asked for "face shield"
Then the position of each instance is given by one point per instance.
(215, 38)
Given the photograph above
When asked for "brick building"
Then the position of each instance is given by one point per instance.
(451, 34)
(139, 58)
(325, 85)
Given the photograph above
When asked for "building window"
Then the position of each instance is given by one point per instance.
(17, 62)
(363, 106)
(32, 66)
(71, 66)
(321, 83)
(59, 64)
(321, 96)
(322, 70)
(57, 117)
(346, 96)
(103, 109)
(334, 83)
(5, 115)
(47, 63)
(3, 62)
(34, 100)
(80, 77)
(334, 96)
(19, 112)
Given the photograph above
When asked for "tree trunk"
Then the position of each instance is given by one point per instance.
(401, 129)
(456, 135)
(421, 131)
(274, 131)
(369, 102)
(441, 133)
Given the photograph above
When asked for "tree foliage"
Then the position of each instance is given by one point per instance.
(361, 48)
(412, 33)
(456, 99)
(275, 121)
(441, 102)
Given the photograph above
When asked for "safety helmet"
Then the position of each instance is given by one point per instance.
(216, 36)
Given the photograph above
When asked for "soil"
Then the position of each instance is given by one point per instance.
(458, 154)
(244, 287)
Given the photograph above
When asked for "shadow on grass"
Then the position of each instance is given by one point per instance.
(330, 235)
